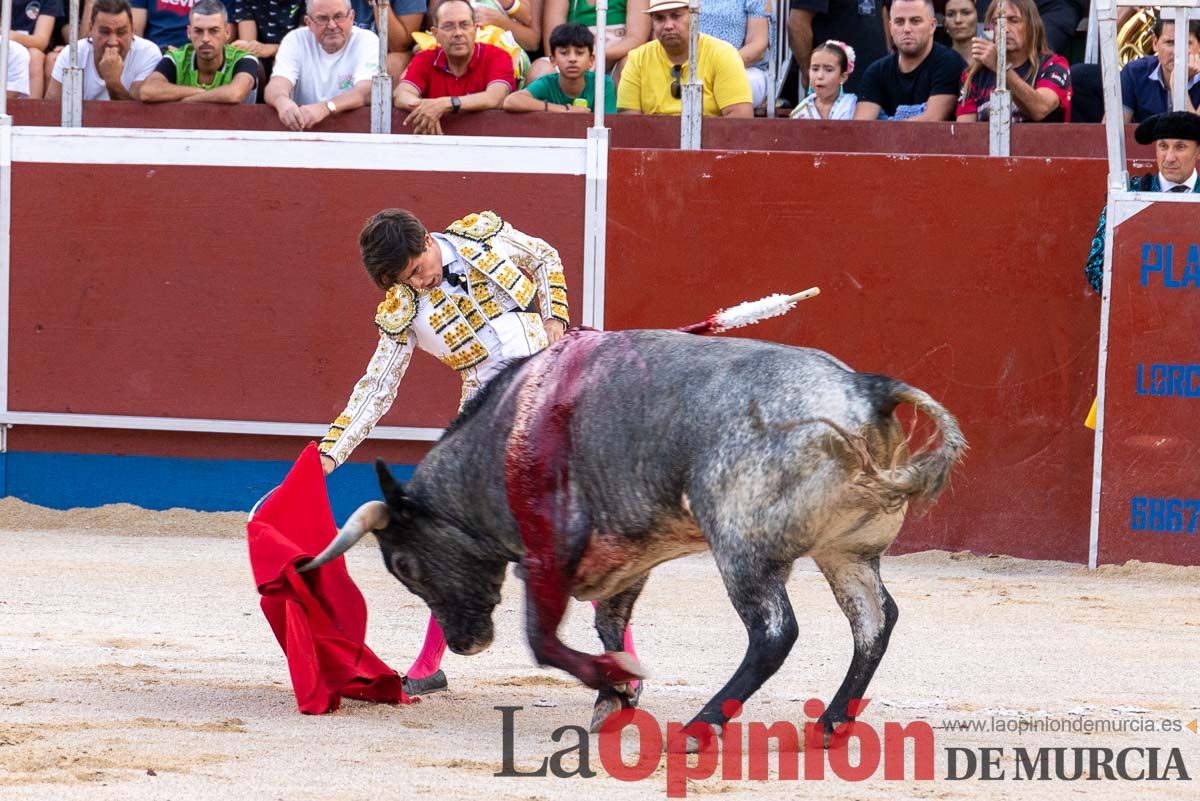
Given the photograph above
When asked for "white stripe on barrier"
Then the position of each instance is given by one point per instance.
(331, 151)
(5, 250)
(203, 425)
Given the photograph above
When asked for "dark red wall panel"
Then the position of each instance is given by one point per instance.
(961, 275)
(229, 293)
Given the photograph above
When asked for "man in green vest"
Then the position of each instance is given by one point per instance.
(208, 70)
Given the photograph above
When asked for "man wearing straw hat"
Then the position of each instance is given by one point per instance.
(656, 71)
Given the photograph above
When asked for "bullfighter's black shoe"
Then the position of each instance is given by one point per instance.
(433, 683)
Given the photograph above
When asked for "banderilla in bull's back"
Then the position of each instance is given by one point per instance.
(608, 453)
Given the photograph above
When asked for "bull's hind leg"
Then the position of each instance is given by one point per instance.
(872, 614)
(612, 620)
(757, 588)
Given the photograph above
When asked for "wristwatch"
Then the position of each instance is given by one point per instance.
(455, 104)
(329, 104)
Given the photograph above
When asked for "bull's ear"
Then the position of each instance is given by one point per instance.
(393, 492)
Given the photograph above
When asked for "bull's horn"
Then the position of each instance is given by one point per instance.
(368, 517)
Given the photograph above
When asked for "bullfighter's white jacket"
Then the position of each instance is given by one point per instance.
(474, 327)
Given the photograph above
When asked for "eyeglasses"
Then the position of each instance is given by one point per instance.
(451, 27)
(675, 73)
(336, 19)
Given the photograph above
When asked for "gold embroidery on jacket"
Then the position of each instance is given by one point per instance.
(478, 227)
(396, 312)
(456, 331)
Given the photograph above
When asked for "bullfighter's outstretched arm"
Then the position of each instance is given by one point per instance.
(372, 397)
(541, 262)
(376, 390)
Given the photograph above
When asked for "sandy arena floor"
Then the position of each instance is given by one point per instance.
(135, 664)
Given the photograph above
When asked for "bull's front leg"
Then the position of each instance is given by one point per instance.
(612, 621)
(540, 498)
(546, 598)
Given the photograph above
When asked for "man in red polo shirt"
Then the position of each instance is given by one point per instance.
(458, 75)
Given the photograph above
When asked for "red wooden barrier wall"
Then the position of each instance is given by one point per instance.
(963, 276)
(236, 293)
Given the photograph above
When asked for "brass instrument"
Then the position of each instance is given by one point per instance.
(1135, 37)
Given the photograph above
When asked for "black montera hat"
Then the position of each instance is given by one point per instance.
(1172, 125)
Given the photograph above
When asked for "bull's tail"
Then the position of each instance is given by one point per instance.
(924, 474)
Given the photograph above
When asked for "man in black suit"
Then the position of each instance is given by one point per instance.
(1176, 139)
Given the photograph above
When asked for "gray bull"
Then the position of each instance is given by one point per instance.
(610, 453)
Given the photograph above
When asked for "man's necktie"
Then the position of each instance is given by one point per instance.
(1179, 189)
(449, 277)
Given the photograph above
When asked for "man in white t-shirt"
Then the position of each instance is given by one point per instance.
(114, 61)
(323, 68)
(18, 71)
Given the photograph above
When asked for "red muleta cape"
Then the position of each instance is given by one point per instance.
(319, 618)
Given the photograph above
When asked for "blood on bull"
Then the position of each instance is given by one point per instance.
(612, 452)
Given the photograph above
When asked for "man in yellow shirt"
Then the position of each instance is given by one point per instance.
(654, 75)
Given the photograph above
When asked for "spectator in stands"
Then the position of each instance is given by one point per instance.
(656, 72)
(920, 80)
(1060, 19)
(742, 23)
(572, 87)
(489, 34)
(114, 60)
(164, 22)
(458, 75)
(858, 23)
(405, 17)
(961, 20)
(324, 68)
(1146, 81)
(829, 67)
(1176, 139)
(208, 69)
(18, 71)
(33, 27)
(521, 18)
(262, 24)
(1038, 79)
(628, 28)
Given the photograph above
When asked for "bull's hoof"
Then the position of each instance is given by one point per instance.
(606, 706)
(627, 696)
(833, 738)
(703, 739)
(433, 683)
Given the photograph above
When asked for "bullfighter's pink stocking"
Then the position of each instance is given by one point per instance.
(430, 658)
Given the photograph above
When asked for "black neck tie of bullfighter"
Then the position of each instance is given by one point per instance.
(451, 278)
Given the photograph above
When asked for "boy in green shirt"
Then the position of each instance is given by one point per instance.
(573, 88)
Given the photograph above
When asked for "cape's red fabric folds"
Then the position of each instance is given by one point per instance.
(319, 618)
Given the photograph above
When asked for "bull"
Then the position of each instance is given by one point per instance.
(612, 452)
